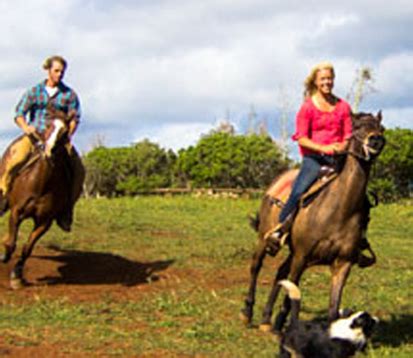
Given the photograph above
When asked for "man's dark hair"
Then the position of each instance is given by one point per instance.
(47, 64)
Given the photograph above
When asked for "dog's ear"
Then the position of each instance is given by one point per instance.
(345, 312)
(366, 322)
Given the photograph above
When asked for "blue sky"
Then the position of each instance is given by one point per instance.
(171, 70)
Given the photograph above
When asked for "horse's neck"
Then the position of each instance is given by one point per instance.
(353, 182)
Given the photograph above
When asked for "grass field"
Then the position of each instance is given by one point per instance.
(154, 276)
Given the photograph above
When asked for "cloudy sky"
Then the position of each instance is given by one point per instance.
(170, 70)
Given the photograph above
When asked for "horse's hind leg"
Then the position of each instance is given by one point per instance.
(16, 276)
(257, 260)
(10, 239)
(282, 273)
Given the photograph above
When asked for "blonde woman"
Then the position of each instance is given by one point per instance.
(323, 129)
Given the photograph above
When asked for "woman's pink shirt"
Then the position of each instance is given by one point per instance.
(323, 127)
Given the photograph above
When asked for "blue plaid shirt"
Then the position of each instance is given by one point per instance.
(34, 104)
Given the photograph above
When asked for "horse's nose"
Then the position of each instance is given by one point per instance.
(376, 142)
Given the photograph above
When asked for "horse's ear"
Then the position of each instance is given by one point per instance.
(379, 116)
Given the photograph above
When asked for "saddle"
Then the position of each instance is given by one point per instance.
(280, 191)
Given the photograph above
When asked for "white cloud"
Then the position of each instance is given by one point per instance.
(180, 64)
(398, 117)
(177, 135)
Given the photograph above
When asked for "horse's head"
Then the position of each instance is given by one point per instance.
(368, 136)
(57, 130)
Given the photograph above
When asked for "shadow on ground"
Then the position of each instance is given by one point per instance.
(97, 268)
(396, 331)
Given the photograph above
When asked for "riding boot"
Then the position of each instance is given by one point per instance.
(363, 260)
(275, 239)
(65, 219)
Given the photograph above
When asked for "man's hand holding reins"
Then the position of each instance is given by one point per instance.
(27, 129)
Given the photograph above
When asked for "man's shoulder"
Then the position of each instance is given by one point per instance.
(65, 88)
(33, 89)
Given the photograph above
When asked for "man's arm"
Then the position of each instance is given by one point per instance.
(27, 129)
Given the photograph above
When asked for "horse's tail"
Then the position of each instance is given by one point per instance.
(254, 221)
(294, 295)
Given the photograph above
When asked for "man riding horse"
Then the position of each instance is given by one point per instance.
(32, 117)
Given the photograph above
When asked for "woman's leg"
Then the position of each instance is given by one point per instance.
(307, 176)
(310, 168)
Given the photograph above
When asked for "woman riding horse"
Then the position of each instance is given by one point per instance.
(323, 130)
(330, 230)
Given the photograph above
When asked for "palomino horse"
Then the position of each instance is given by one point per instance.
(328, 231)
(41, 190)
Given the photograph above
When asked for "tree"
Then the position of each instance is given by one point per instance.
(224, 160)
(128, 170)
(361, 86)
(392, 174)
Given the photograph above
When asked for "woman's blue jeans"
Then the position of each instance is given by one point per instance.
(307, 175)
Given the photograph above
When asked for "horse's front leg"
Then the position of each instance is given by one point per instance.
(282, 273)
(298, 266)
(256, 265)
(340, 273)
(16, 275)
(10, 239)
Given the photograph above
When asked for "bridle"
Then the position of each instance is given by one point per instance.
(46, 144)
(368, 152)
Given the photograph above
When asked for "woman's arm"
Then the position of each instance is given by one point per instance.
(329, 149)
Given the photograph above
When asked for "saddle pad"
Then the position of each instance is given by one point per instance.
(281, 187)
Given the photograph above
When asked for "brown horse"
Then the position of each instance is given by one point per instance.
(41, 190)
(326, 232)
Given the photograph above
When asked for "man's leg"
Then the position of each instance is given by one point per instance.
(14, 157)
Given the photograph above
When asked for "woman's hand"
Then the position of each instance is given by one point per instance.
(329, 149)
(334, 148)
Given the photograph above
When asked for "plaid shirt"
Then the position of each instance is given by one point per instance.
(34, 103)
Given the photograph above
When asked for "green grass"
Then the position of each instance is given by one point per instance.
(194, 310)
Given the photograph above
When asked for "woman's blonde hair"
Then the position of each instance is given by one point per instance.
(47, 64)
(309, 85)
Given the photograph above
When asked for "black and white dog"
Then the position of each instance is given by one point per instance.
(342, 338)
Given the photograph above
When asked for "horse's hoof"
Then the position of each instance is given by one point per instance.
(5, 258)
(265, 327)
(244, 318)
(16, 283)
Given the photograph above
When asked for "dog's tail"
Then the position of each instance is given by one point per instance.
(295, 296)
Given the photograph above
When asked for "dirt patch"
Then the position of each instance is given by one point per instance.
(81, 276)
